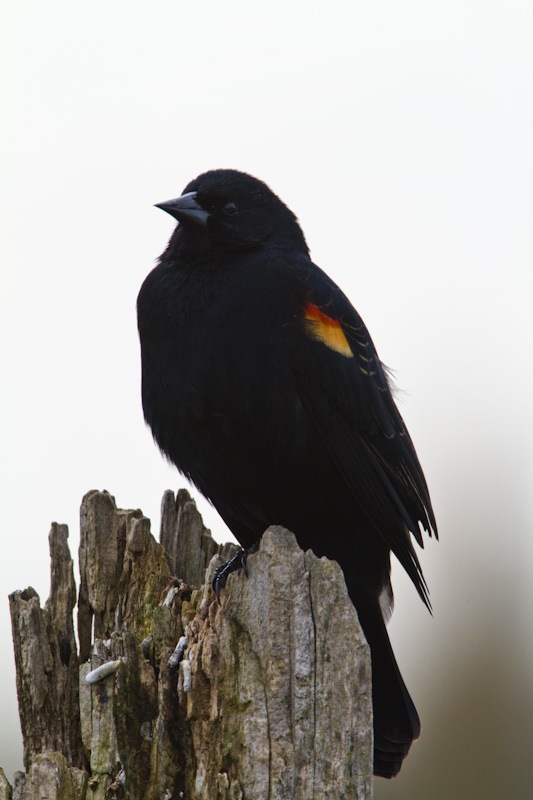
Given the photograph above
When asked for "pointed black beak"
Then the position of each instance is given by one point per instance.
(185, 209)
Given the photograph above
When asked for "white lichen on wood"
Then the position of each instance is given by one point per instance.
(98, 674)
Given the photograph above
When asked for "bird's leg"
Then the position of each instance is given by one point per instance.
(235, 564)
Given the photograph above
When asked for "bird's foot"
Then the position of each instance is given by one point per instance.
(235, 564)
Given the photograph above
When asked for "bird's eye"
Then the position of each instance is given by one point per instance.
(230, 209)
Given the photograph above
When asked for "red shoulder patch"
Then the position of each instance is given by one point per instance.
(326, 330)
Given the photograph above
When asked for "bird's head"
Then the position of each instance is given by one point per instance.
(227, 211)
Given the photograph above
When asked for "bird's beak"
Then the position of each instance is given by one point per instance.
(185, 209)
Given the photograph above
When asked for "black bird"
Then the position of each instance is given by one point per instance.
(261, 383)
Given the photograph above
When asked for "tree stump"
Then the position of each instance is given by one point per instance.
(265, 696)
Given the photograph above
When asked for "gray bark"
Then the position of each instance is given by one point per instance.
(265, 696)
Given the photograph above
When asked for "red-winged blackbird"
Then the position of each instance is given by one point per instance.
(262, 385)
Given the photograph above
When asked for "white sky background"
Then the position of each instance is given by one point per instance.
(401, 135)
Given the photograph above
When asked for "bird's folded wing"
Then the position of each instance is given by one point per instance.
(345, 390)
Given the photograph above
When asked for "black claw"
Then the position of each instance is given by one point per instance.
(235, 564)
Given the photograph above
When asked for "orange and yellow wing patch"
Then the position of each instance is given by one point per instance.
(326, 330)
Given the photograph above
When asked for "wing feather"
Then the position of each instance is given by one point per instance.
(351, 405)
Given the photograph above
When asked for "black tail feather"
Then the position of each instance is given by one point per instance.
(396, 721)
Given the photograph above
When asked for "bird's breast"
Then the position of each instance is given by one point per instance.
(215, 366)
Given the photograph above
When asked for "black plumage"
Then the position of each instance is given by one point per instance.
(262, 385)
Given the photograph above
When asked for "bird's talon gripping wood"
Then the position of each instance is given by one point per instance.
(262, 384)
(238, 562)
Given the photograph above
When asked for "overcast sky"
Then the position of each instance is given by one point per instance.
(401, 136)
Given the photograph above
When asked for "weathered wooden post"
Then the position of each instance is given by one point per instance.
(264, 697)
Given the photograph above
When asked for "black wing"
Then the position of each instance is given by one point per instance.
(345, 389)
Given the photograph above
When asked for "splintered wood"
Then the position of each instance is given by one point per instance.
(265, 696)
